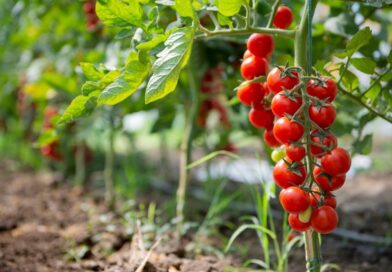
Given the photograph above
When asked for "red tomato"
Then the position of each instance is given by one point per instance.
(51, 151)
(269, 139)
(253, 67)
(266, 89)
(294, 199)
(260, 117)
(328, 199)
(324, 116)
(282, 104)
(324, 90)
(260, 45)
(337, 162)
(247, 54)
(326, 139)
(328, 183)
(88, 7)
(49, 113)
(250, 93)
(295, 152)
(287, 131)
(283, 17)
(277, 81)
(285, 177)
(324, 219)
(296, 224)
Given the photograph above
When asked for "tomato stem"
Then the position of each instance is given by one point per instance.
(312, 247)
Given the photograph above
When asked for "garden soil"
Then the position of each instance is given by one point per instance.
(46, 226)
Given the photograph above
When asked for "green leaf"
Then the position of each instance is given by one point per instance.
(184, 8)
(47, 137)
(364, 65)
(118, 13)
(389, 58)
(79, 107)
(129, 81)
(364, 146)
(166, 69)
(148, 45)
(225, 21)
(350, 81)
(360, 39)
(373, 93)
(91, 72)
(229, 7)
(90, 86)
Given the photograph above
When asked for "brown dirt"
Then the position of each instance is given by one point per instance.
(42, 222)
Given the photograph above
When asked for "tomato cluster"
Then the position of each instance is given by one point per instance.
(296, 112)
(92, 18)
(212, 91)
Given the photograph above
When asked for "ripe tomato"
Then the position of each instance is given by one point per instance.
(324, 219)
(337, 162)
(260, 117)
(294, 199)
(247, 54)
(286, 177)
(324, 116)
(287, 131)
(250, 93)
(295, 152)
(270, 139)
(322, 90)
(267, 90)
(51, 151)
(260, 45)
(328, 199)
(328, 183)
(283, 17)
(326, 139)
(49, 113)
(277, 81)
(253, 67)
(296, 224)
(282, 104)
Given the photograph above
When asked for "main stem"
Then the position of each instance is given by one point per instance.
(191, 107)
(312, 245)
(109, 164)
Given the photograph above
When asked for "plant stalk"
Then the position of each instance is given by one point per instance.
(312, 247)
(191, 108)
(109, 164)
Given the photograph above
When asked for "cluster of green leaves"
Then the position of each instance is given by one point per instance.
(161, 36)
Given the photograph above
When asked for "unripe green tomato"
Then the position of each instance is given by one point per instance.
(304, 217)
(278, 154)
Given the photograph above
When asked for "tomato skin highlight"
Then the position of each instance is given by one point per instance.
(283, 17)
(254, 66)
(276, 83)
(250, 93)
(260, 45)
(259, 117)
(337, 162)
(326, 182)
(323, 117)
(247, 54)
(329, 141)
(295, 153)
(328, 92)
(270, 139)
(282, 105)
(294, 200)
(287, 131)
(324, 219)
(285, 178)
(296, 224)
